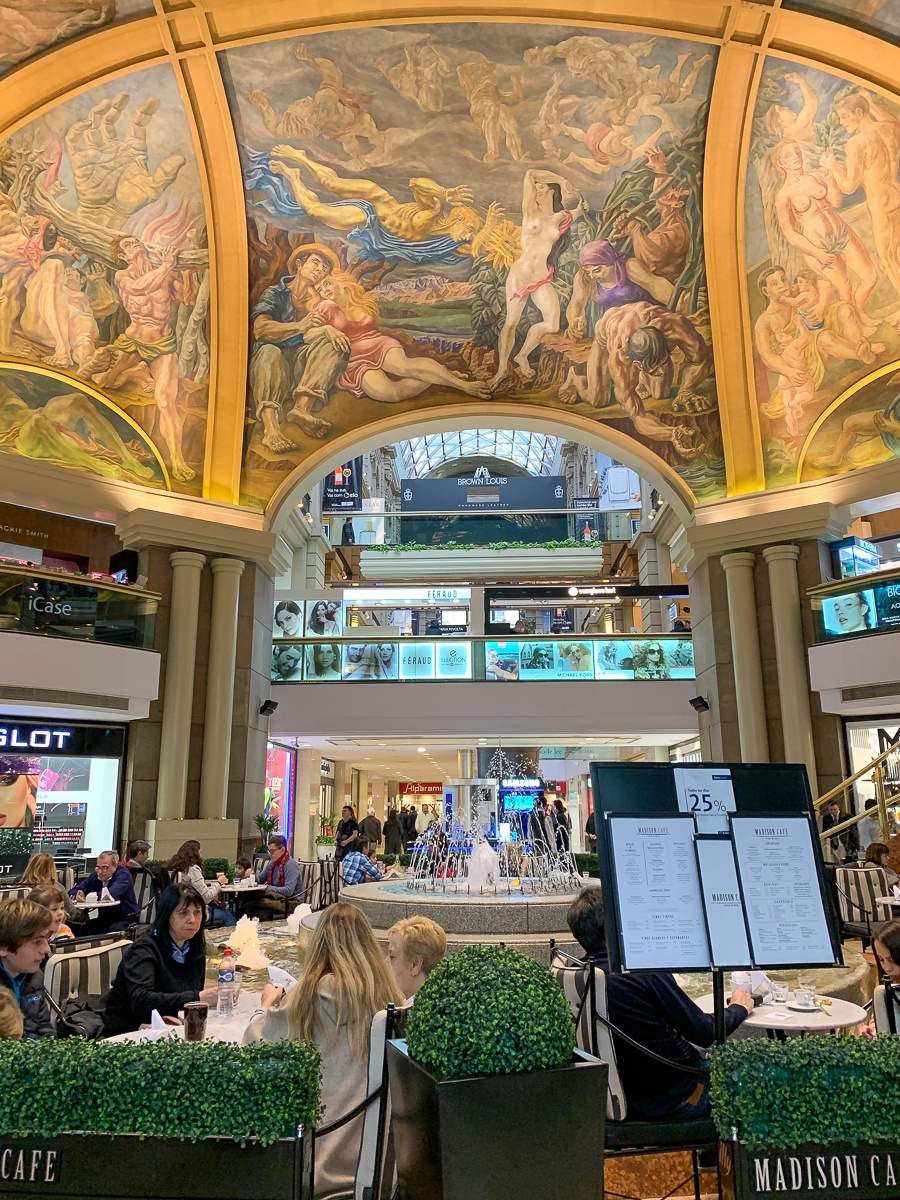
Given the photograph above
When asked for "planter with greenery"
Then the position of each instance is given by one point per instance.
(157, 1119)
(489, 1096)
(587, 862)
(816, 1116)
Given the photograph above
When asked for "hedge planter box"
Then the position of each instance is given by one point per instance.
(565, 562)
(836, 1171)
(532, 1136)
(95, 1166)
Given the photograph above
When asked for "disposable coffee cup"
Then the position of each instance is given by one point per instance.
(195, 1014)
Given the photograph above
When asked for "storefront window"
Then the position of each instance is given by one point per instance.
(279, 796)
(866, 740)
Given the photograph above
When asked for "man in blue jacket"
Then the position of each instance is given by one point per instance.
(109, 873)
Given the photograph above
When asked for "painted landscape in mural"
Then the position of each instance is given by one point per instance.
(878, 16)
(823, 257)
(440, 212)
(29, 26)
(104, 265)
(54, 420)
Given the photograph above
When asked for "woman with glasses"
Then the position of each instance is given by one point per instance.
(650, 661)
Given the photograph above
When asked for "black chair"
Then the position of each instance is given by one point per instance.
(146, 892)
(584, 986)
(858, 888)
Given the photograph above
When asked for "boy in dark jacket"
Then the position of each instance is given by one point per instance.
(25, 930)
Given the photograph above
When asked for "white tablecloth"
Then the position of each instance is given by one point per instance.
(219, 1030)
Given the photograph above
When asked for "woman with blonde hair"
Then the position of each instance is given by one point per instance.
(346, 981)
(40, 868)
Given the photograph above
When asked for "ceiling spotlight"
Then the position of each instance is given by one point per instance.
(423, 749)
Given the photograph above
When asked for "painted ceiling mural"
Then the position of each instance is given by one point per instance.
(823, 266)
(876, 16)
(29, 26)
(104, 277)
(504, 211)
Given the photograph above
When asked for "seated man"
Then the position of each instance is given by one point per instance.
(25, 930)
(652, 1009)
(281, 875)
(137, 854)
(415, 947)
(109, 873)
(357, 866)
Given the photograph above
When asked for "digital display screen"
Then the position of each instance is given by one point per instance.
(862, 611)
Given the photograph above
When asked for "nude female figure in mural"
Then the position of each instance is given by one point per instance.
(806, 210)
(545, 223)
(787, 349)
(378, 366)
(872, 162)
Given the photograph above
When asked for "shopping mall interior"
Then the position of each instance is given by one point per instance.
(357, 358)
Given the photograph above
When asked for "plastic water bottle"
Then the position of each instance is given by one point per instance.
(225, 1005)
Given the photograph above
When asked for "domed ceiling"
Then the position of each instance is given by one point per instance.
(236, 239)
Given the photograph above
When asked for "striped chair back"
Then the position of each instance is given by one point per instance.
(66, 876)
(328, 884)
(375, 1116)
(145, 892)
(592, 1035)
(857, 889)
(73, 945)
(82, 973)
(309, 873)
(259, 861)
(15, 893)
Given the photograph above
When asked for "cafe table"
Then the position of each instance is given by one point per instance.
(888, 901)
(219, 1029)
(85, 904)
(232, 892)
(779, 1020)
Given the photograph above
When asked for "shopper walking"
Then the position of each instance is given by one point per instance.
(370, 827)
(393, 835)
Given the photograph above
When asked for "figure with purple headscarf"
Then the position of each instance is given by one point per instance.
(602, 277)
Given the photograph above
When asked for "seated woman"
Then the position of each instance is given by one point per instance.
(415, 947)
(346, 981)
(878, 854)
(188, 859)
(165, 968)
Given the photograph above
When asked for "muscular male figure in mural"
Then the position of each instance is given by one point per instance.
(149, 295)
(27, 28)
(862, 426)
(112, 176)
(492, 110)
(296, 353)
(872, 162)
(632, 353)
(418, 78)
(419, 220)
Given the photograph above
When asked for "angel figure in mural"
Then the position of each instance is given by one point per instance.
(549, 206)
(806, 209)
(492, 110)
(378, 366)
(438, 225)
(334, 112)
(872, 162)
(419, 77)
(607, 146)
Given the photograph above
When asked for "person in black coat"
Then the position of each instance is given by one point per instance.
(165, 969)
(25, 929)
(393, 834)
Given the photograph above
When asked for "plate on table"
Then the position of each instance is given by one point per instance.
(805, 1008)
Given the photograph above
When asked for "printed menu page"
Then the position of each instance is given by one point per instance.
(660, 906)
(780, 884)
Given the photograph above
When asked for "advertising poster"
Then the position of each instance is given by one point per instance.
(323, 662)
(371, 661)
(342, 487)
(854, 612)
(417, 661)
(287, 664)
(613, 659)
(288, 619)
(708, 795)
(323, 618)
(887, 605)
(279, 794)
(501, 661)
(454, 660)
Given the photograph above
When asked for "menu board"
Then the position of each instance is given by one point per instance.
(657, 884)
(722, 899)
(782, 891)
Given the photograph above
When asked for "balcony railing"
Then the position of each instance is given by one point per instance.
(54, 604)
(523, 660)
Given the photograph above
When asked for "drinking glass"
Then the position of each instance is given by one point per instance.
(195, 1014)
(779, 992)
(806, 982)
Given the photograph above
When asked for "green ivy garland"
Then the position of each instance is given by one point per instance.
(778, 1095)
(565, 544)
(172, 1089)
(490, 1011)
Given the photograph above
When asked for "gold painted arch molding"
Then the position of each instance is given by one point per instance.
(260, 236)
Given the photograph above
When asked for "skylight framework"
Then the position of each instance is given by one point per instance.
(536, 452)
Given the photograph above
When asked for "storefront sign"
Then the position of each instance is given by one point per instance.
(29, 1166)
(482, 491)
(342, 488)
(51, 604)
(433, 597)
(417, 661)
(831, 1172)
(326, 768)
(27, 737)
(420, 789)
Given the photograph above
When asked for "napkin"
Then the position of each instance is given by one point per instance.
(283, 979)
(104, 895)
(896, 891)
(156, 1021)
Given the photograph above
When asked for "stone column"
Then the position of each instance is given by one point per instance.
(181, 652)
(790, 657)
(226, 574)
(306, 804)
(748, 676)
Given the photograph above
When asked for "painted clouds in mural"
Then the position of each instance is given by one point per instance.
(490, 211)
(823, 251)
(879, 16)
(29, 26)
(103, 259)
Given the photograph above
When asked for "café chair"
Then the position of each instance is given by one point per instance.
(91, 940)
(15, 893)
(886, 1009)
(329, 884)
(370, 1183)
(81, 973)
(145, 891)
(857, 890)
(584, 986)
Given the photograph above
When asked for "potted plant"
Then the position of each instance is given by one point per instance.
(325, 840)
(489, 1097)
(817, 1116)
(267, 825)
(163, 1119)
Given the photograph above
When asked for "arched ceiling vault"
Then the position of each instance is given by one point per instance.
(192, 54)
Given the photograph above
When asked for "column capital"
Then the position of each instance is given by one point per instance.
(187, 558)
(787, 553)
(737, 560)
(227, 566)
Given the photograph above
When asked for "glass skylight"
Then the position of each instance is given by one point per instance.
(536, 452)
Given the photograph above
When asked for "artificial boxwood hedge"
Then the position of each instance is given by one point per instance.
(490, 1011)
(778, 1095)
(173, 1089)
(587, 862)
